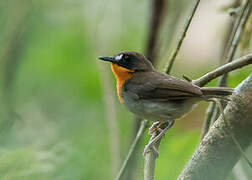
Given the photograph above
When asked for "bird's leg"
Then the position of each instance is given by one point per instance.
(159, 136)
(155, 127)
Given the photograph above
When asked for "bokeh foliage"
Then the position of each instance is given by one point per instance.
(52, 115)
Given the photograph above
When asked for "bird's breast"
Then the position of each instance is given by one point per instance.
(122, 75)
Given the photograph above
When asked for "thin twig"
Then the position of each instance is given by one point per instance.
(183, 35)
(239, 11)
(244, 17)
(130, 172)
(239, 63)
(150, 160)
(245, 42)
(132, 148)
(207, 122)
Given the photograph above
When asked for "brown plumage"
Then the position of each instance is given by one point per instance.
(154, 95)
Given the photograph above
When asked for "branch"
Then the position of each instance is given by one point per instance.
(132, 148)
(132, 164)
(150, 159)
(239, 63)
(183, 35)
(217, 154)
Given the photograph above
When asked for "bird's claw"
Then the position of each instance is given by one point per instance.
(155, 127)
(157, 137)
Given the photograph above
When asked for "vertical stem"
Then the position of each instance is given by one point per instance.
(132, 149)
(150, 160)
(239, 30)
(183, 35)
(207, 122)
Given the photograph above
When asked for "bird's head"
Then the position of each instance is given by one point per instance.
(130, 61)
(125, 64)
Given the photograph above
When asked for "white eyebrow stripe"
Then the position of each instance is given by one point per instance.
(118, 57)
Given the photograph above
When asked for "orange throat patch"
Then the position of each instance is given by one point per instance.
(121, 74)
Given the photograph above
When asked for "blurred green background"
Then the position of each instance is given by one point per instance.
(52, 116)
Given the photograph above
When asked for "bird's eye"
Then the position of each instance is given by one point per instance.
(125, 57)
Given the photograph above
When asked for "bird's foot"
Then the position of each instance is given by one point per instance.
(154, 139)
(155, 127)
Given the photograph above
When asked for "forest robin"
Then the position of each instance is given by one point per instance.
(156, 96)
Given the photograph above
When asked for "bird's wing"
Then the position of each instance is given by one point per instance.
(161, 87)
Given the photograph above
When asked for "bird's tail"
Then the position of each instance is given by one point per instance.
(216, 92)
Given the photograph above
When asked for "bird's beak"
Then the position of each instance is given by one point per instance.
(110, 59)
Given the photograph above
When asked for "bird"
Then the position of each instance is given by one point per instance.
(156, 96)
